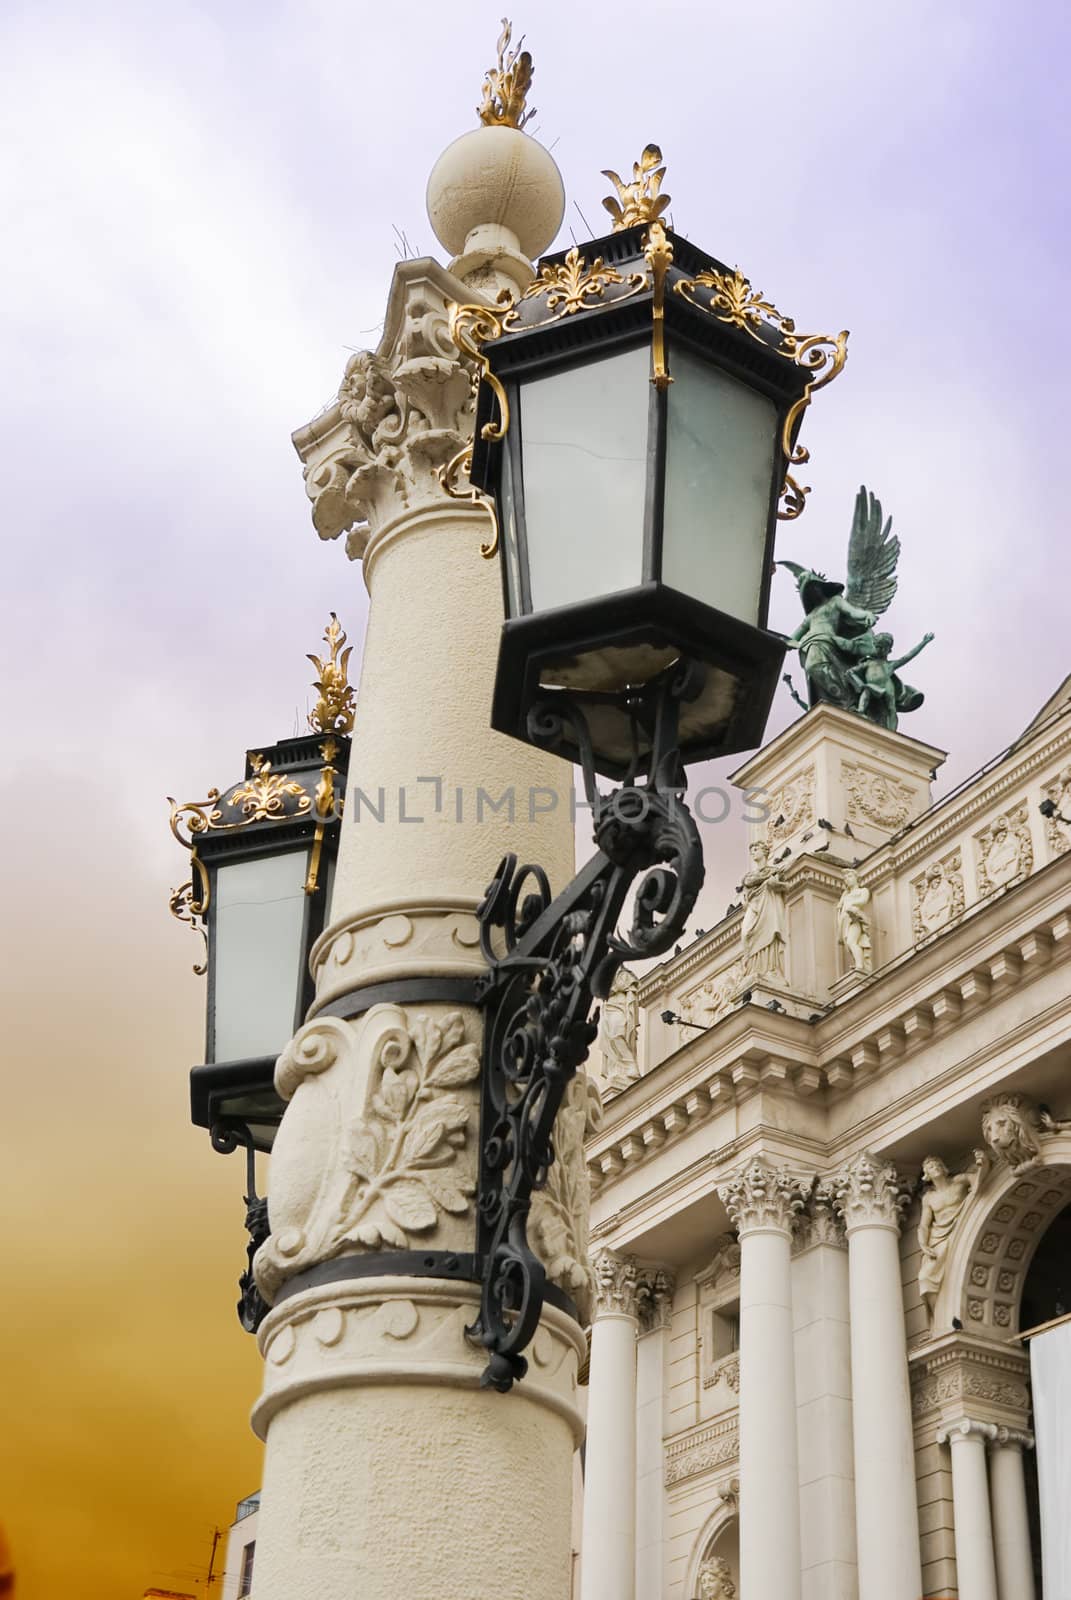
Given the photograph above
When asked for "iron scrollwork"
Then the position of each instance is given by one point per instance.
(549, 962)
(226, 1137)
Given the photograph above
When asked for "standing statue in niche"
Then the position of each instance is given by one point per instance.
(620, 1024)
(853, 924)
(763, 930)
(943, 1198)
(846, 663)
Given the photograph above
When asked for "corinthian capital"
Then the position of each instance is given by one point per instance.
(617, 1282)
(761, 1196)
(403, 412)
(866, 1192)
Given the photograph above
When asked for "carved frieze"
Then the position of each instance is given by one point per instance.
(702, 1450)
(714, 998)
(791, 807)
(960, 1378)
(938, 896)
(1004, 850)
(876, 798)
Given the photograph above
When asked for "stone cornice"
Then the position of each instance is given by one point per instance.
(753, 1050)
(827, 721)
(702, 1449)
(950, 816)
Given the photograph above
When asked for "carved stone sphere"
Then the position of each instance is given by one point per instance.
(493, 179)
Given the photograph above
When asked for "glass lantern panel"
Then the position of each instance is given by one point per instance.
(584, 445)
(721, 443)
(507, 513)
(258, 954)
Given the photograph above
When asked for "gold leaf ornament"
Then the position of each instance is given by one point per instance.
(641, 200)
(506, 86)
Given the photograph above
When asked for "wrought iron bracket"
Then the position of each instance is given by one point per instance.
(549, 962)
(226, 1138)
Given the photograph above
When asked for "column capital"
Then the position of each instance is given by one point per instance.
(654, 1297)
(819, 1224)
(617, 1285)
(866, 1192)
(760, 1197)
(1013, 1439)
(966, 1428)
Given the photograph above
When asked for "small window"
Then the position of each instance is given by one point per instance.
(724, 1333)
(245, 1580)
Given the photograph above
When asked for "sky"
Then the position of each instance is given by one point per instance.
(203, 208)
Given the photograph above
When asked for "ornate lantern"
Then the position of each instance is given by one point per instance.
(262, 860)
(636, 427)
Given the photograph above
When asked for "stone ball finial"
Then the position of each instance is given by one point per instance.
(496, 201)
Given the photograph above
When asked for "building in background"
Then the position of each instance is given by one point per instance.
(836, 1188)
(241, 1550)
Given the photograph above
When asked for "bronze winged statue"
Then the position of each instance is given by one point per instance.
(847, 664)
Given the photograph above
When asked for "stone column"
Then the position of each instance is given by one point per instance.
(868, 1196)
(1011, 1526)
(976, 1570)
(656, 1305)
(761, 1201)
(388, 1470)
(608, 1547)
(824, 1395)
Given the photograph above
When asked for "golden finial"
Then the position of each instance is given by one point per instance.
(334, 711)
(507, 84)
(640, 200)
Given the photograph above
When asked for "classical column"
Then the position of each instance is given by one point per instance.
(762, 1201)
(1011, 1526)
(655, 1306)
(608, 1547)
(824, 1396)
(868, 1196)
(388, 1470)
(976, 1570)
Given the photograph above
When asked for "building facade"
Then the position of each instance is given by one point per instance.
(831, 1187)
(240, 1559)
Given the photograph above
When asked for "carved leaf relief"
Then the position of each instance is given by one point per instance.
(376, 1149)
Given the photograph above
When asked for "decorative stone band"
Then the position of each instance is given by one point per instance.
(762, 1198)
(702, 1449)
(959, 1376)
(866, 1193)
(966, 1428)
(439, 938)
(388, 1331)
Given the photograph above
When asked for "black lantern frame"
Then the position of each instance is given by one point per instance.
(638, 288)
(289, 803)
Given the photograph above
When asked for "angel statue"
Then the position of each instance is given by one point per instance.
(847, 664)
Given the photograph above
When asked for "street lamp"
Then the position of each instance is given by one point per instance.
(637, 418)
(262, 856)
(636, 426)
